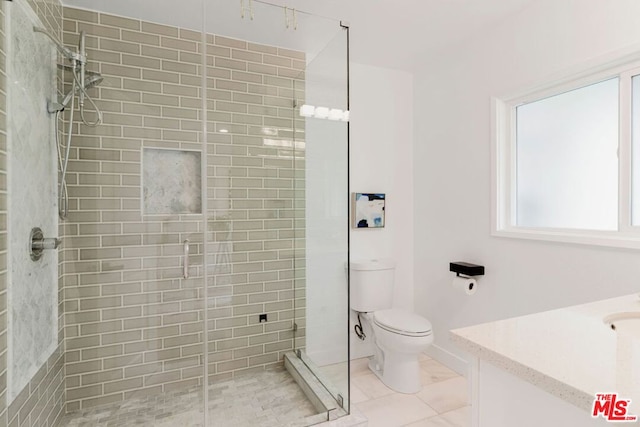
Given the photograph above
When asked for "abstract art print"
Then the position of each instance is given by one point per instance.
(368, 210)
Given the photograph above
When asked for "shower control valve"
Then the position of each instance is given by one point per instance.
(39, 243)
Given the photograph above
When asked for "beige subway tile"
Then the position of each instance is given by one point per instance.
(262, 89)
(190, 35)
(264, 359)
(277, 60)
(247, 77)
(83, 342)
(262, 69)
(224, 41)
(263, 48)
(102, 352)
(160, 53)
(163, 30)
(80, 15)
(134, 349)
(144, 369)
(181, 340)
(278, 306)
(121, 337)
(188, 57)
(142, 86)
(161, 76)
(141, 109)
(278, 81)
(142, 38)
(263, 338)
(99, 303)
(231, 85)
(99, 229)
(86, 254)
(119, 22)
(179, 67)
(84, 392)
(292, 54)
(143, 322)
(278, 102)
(121, 313)
(103, 56)
(100, 401)
(140, 61)
(179, 44)
(101, 377)
(120, 95)
(279, 346)
(128, 384)
(172, 353)
(161, 332)
(148, 98)
(291, 73)
(231, 344)
(120, 46)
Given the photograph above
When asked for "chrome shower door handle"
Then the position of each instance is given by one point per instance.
(185, 260)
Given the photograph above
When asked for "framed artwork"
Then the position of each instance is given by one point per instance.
(368, 210)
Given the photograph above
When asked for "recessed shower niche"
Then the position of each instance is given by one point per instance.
(171, 181)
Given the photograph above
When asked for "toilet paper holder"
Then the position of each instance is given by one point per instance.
(466, 269)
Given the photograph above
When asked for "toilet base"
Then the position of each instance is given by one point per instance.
(399, 372)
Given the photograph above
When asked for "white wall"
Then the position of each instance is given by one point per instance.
(453, 169)
(381, 152)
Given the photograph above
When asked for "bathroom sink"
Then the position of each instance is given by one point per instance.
(627, 322)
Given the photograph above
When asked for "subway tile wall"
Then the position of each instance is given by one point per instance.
(132, 324)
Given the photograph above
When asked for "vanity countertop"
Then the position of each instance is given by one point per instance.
(570, 352)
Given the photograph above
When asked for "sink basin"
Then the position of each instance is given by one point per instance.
(627, 322)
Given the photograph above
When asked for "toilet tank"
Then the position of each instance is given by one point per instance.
(371, 284)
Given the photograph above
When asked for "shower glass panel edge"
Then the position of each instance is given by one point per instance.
(258, 218)
(322, 132)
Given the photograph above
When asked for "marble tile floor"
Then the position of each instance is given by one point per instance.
(268, 399)
(443, 401)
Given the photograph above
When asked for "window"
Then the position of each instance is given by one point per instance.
(568, 160)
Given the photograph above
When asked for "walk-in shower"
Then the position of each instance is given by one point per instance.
(203, 220)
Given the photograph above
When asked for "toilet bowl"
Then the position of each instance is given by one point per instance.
(399, 337)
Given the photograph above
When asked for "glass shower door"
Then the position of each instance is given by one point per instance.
(257, 61)
(322, 185)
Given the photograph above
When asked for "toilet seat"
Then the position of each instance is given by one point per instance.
(402, 322)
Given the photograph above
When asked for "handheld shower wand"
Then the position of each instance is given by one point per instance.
(83, 67)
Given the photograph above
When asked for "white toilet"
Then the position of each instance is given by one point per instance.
(399, 336)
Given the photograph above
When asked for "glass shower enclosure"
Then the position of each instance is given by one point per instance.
(200, 273)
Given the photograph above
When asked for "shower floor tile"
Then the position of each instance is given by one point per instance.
(267, 399)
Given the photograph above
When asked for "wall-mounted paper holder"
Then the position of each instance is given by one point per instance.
(466, 269)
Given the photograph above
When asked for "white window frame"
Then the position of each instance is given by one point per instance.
(503, 155)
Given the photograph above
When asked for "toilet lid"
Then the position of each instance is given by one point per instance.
(402, 322)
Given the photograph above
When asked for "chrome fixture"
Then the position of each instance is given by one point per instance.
(290, 21)
(185, 259)
(244, 9)
(82, 81)
(38, 243)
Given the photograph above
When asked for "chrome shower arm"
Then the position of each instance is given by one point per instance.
(68, 53)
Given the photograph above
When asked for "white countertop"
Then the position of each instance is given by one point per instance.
(570, 352)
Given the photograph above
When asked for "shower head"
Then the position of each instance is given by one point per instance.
(66, 52)
(92, 79)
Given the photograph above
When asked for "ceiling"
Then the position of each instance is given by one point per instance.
(389, 33)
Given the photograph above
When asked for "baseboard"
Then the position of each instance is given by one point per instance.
(450, 360)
